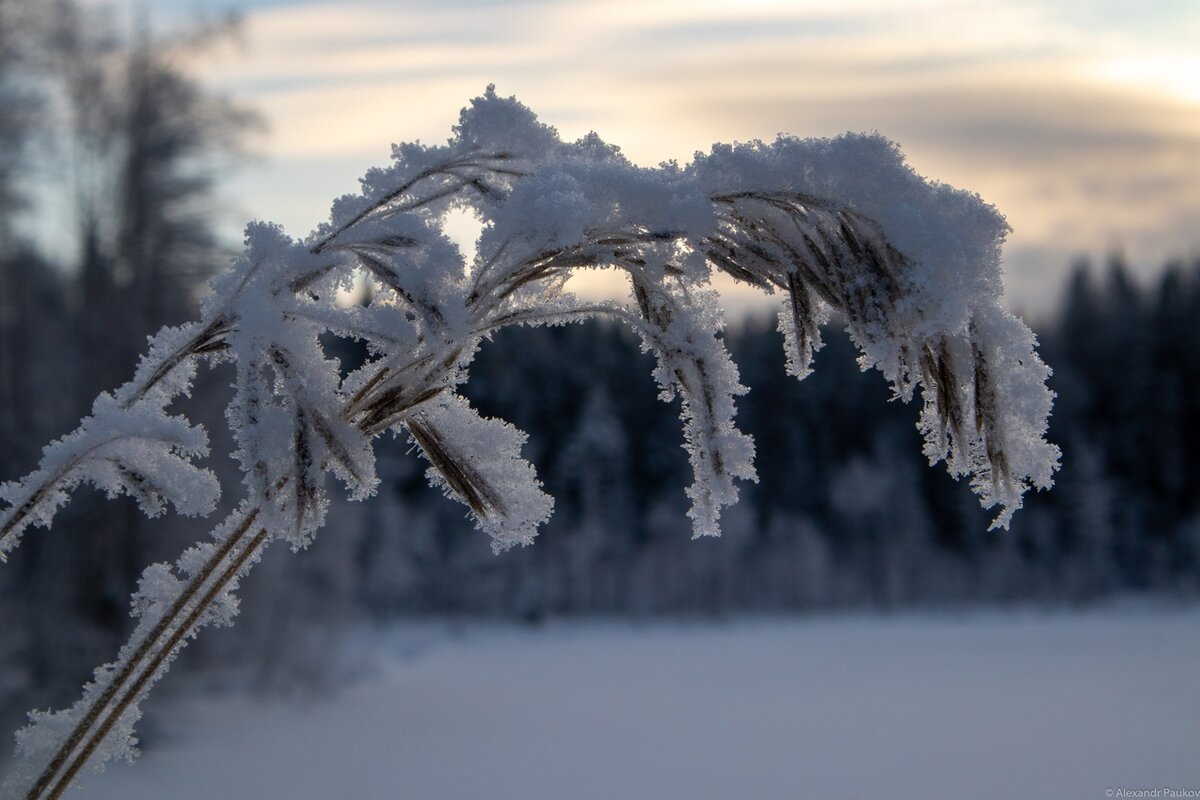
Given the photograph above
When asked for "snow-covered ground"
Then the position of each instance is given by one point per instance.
(988, 705)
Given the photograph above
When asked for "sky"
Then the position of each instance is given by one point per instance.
(1079, 120)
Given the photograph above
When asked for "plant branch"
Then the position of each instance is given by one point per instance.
(148, 651)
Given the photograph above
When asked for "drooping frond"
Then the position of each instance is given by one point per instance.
(827, 258)
(837, 226)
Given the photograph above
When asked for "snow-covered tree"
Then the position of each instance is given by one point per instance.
(833, 225)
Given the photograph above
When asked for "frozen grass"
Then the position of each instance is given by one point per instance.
(1013, 705)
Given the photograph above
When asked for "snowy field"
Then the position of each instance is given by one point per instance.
(987, 705)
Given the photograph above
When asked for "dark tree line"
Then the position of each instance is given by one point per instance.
(846, 512)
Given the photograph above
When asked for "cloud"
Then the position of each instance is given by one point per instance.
(1077, 122)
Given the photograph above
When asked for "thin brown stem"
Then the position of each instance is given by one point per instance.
(152, 668)
(446, 168)
(81, 729)
(19, 515)
(201, 340)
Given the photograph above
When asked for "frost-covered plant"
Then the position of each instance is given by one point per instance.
(834, 225)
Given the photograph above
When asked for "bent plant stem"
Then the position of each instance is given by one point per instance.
(17, 521)
(422, 348)
(201, 344)
(155, 649)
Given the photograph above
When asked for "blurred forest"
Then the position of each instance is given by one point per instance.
(846, 513)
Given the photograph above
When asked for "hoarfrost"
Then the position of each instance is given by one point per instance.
(835, 226)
